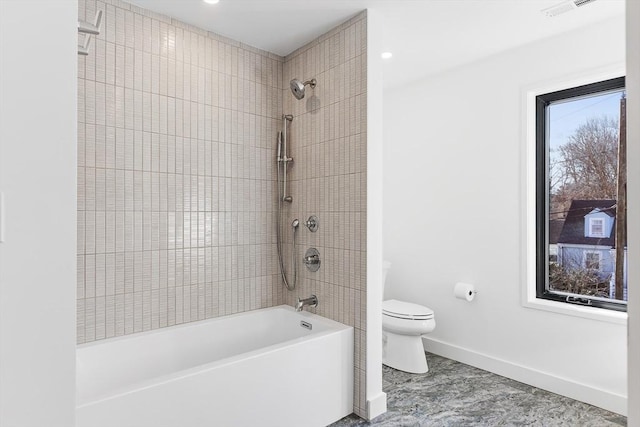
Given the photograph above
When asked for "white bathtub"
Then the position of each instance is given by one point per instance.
(260, 368)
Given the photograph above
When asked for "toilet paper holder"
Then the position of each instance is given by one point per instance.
(465, 291)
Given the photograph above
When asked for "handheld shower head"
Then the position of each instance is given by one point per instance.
(297, 87)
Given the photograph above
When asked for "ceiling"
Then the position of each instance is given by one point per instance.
(425, 36)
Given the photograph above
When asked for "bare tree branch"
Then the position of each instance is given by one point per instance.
(586, 165)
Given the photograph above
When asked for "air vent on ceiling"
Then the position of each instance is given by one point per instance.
(564, 7)
(582, 2)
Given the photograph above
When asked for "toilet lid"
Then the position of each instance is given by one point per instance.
(406, 310)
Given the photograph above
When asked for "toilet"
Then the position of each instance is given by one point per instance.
(403, 324)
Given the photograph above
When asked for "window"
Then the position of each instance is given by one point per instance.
(592, 260)
(580, 214)
(596, 227)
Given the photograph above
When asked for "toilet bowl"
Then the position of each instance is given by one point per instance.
(403, 324)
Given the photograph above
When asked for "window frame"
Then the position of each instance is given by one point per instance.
(542, 101)
(602, 224)
(585, 262)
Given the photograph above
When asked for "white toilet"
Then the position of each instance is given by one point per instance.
(403, 324)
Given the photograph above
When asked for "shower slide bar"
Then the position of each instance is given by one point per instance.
(88, 29)
(282, 155)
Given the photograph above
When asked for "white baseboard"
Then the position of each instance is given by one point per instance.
(376, 406)
(604, 399)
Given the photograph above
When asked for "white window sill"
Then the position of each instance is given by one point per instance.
(592, 313)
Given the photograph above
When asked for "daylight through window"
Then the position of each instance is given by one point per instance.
(581, 195)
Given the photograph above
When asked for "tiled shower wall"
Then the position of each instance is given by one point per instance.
(176, 191)
(328, 144)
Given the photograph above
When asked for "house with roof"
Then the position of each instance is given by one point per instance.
(588, 241)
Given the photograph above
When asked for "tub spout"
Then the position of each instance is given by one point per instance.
(312, 301)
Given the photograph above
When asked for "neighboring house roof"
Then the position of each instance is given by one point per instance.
(573, 228)
(608, 211)
(555, 228)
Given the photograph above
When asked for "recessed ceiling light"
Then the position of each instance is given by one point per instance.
(211, 1)
(386, 55)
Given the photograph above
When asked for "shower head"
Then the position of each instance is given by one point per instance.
(297, 87)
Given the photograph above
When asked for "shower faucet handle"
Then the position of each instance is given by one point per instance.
(311, 259)
(312, 223)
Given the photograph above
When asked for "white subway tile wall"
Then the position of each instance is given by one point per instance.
(176, 175)
(329, 147)
(176, 178)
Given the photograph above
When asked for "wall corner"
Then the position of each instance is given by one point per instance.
(376, 399)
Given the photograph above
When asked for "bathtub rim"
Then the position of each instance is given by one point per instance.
(334, 328)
